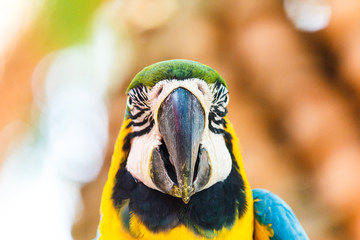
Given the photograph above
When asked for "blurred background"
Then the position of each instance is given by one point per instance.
(293, 70)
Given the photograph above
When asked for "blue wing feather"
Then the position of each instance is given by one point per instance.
(270, 209)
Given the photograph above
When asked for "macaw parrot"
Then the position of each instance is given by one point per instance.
(177, 170)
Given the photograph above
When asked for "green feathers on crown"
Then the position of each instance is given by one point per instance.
(175, 69)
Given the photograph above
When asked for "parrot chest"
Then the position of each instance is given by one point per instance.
(130, 227)
(242, 229)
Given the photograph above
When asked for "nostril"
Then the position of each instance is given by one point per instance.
(201, 89)
(158, 92)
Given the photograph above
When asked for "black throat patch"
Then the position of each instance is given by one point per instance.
(209, 210)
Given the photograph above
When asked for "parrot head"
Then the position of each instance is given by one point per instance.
(176, 113)
(176, 168)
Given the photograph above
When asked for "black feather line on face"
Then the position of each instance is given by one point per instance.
(142, 123)
(218, 112)
(221, 121)
(133, 117)
(130, 136)
(216, 130)
(127, 140)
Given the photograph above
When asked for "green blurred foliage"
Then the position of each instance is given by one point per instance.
(65, 22)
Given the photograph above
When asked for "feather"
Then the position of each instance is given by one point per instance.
(275, 218)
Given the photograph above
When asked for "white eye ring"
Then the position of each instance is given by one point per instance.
(130, 103)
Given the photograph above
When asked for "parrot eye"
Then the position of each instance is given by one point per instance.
(139, 110)
(138, 99)
(226, 100)
(218, 110)
(129, 103)
(220, 94)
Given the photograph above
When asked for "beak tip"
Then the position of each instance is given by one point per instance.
(186, 195)
(186, 199)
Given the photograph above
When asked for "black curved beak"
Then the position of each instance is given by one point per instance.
(181, 121)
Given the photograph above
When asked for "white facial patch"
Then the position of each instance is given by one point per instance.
(139, 159)
(138, 162)
(219, 156)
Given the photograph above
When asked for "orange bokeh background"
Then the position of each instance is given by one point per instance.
(293, 71)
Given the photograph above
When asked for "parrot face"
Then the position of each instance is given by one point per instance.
(177, 144)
